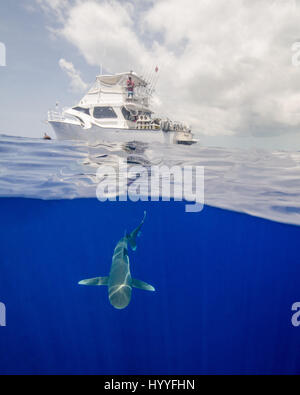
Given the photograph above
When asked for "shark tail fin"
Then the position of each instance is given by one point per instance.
(142, 285)
(135, 233)
(95, 281)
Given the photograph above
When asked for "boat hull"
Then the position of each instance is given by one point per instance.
(186, 142)
(97, 134)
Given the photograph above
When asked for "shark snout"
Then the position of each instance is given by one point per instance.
(120, 296)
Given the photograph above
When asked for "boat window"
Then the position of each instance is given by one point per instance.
(81, 109)
(148, 114)
(104, 112)
(126, 113)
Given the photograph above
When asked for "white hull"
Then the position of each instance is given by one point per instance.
(97, 134)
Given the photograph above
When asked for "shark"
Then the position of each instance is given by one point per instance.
(119, 280)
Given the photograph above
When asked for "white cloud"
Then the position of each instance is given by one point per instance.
(225, 64)
(77, 83)
(104, 33)
(56, 8)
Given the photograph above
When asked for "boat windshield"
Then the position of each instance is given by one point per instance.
(81, 109)
(126, 113)
(104, 112)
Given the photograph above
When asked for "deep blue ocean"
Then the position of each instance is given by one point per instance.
(225, 277)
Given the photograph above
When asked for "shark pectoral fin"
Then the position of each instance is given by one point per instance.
(142, 285)
(95, 281)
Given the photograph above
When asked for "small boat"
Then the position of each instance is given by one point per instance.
(184, 137)
(110, 113)
(46, 137)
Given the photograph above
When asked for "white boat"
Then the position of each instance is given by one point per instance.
(110, 113)
(184, 137)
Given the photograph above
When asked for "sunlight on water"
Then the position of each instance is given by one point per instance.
(264, 184)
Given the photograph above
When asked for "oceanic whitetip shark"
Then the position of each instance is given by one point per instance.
(119, 281)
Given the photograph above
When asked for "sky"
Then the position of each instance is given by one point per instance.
(229, 68)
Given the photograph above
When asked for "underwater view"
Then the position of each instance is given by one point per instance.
(225, 278)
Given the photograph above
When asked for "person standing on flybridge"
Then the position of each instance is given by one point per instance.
(130, 87)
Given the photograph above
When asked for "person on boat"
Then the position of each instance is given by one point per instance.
(130, 87)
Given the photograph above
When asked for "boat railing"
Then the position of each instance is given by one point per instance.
(56, 116)
(137, 99)
(140, 95)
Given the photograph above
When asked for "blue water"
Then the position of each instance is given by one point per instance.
(225, 281)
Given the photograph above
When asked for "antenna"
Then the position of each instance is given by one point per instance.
(154, 80)
(155, 83)
(143, 73)
(147, 79)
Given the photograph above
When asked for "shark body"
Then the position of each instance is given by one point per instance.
(119, 281)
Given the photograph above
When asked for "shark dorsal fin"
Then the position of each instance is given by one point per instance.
(135, 233)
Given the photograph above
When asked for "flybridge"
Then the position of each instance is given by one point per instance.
(113, 89)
